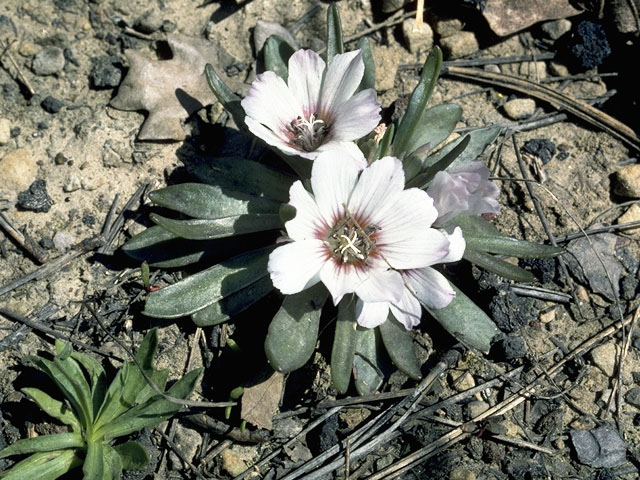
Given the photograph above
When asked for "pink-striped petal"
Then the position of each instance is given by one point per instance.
(379, 285)
(371, 315)
(295, 266)
(305, 78)
(340, 82)
(408, 310)
(430, 287)
(308, 223)
(356, 117)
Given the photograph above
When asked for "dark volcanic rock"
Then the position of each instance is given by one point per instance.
(36, 198)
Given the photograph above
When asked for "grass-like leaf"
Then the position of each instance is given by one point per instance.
(399, 345)
(423, 179)
(344, 344)
(434, 126)
(44, 443)
(334, 32)
(366, 362)
(93, 466)
(497, 265)
(229, 100)
(201, 229)
(44, 466)
(510, 246)
(369, 77)
(54, 408)
(276, 56)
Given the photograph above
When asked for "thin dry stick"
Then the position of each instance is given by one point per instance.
(19, 75)
(558, 100)
(178, 452)
(31, 247)
(616, 390)
(509, 403)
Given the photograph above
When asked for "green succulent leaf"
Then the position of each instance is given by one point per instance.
(369, 77)
(239, 175)
(112, 463)
(475, 225)
(97, 376)
(153, 411)
(93, 467)
(201, 229)
(497, 265)
(54, 408)
(44, 443)
(408, 126)
(43, 466)
(133, 455)
(366, 362)
(229, 100)
(163, 249)
(344, 344)
(147, 349)
(463, 319)
(510, 246)
(399, 345)
(276, 55)
(334, 32)
(209, 286)
(209, 201)
(293, 332)
(434, 126)
(423, 179)
(480, 139)
(233, 304)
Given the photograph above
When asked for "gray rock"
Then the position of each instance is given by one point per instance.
(52, 104)
(459, 45)
(63, 241)
(633, 397)
(5, 131)
(448, 27)
(604, 357)
(48, 61)
(105, 72)
(627, 181)
(599, 448)
(519, 108)
(556, 28)
(36, 198)
(187, 442)
(417, 39)
(149, 22)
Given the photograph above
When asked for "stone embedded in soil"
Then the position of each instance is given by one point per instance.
(463, 382)
(600, 447)
(604, 357)
(448, 27)
(519, 108)
(507, 348)
(511, 312)
(533, 70)
(187, 442)
(149, 22)
(543, 148)
(627, 181)
(18, 170)
(462, 473)
(459, 45)
(48, 61)
(556, 28)
(631, 215)
(105, 72)
(475, 408)
(232, 462)
(629, 286)
(51, 104)
(5, 131)
(417, 38)
(63, 241)
(36, 198)
(633, 397)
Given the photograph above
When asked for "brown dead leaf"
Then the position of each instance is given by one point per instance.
(508, 16)
(260, 401)
(170, 90)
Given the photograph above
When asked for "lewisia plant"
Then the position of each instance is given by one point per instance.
(367, 220)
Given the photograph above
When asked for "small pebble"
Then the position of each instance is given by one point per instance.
(51, 104)
(60, 159)
(587, 46)
(556, 28)
(604, 357)
(542, 148)
(533, 70)
(463, 382)
(633, 397)
(5, 131)
(627, 181)
(48, 61)
(18, 170)
(168, 26)
(36, 198)
(519, 108)
(72, 184)
(507, 347)
(148, 22)
(233, 463)
(477, 407)
(459, 45)
(631, 215)
(461, 473)
(63, 241)
(600, 447)
(448, 27)
(417, 39)
(105, 72)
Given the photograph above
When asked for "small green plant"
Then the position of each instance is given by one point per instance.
(96, 414)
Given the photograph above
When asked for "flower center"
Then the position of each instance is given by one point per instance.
(308, 134)
(349, 243)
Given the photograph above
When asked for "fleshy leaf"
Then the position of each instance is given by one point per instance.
(344, 344)
(204, 229)
(497, 265)
(208, 286)
(44, 443)
(423, 179)
(408, 126)
(229, 100)
(133, 455)
(334, 32)
(276, 55)
(148, 349)
(466, 322)
(53, 408)
(209, 202)
(512, 247)
(399, 345)
(93, 466)
(369, 77)
(96, 374)
(112, 463)
(434, 126)
(44, 466)
(480, 139)
(367, 374)
(475, 224)
(233, 304)
(236, 174)
(293, 332)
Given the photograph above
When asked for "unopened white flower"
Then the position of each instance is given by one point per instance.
(358, 231)
(464, 190)
(316, 110)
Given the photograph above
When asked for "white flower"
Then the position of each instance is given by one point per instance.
(361, 232)
(464, 190)
(317, 110)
